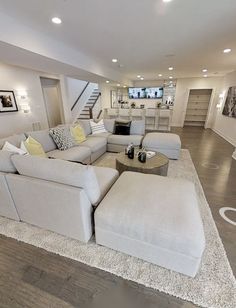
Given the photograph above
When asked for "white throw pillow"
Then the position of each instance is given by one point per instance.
(97, 128)
(11, 148)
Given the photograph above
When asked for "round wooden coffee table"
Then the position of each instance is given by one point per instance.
(158, 164)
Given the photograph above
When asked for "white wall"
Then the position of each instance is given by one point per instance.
(226, 126)
(14, 78)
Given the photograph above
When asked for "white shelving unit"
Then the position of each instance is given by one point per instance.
(197, 109)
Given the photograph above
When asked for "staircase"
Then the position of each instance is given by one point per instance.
(86, 112)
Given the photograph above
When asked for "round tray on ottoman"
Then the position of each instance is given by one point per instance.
(158, 164)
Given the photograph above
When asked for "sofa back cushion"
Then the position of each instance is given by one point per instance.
(6, 164)
(109, 125)
(137, 127)
(86, 126)
(14, 139)
(43, 137)
(60, 171)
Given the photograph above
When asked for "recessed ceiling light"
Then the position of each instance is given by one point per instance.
(114, 60)
(205, 76)
(124, 86)
(171, 68)
(227, 50)
(170, 77)
(166, 0)
(56, 20)
(204, 70)
(107, 81)
(141, 78)
(138, 76)
(160, 75)
(118, 84)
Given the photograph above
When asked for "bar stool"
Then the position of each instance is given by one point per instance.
(164, 119)
(151, 118)
(137, 114)
(124, 113)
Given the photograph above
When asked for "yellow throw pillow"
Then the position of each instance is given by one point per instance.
(34, 147)
(78, 134)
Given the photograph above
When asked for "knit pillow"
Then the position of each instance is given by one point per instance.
(62, 137)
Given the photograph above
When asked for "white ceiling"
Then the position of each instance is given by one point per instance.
(147, 36)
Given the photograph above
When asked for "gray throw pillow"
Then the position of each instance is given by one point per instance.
(6, 164)
(62, 137)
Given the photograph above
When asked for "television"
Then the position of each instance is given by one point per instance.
(145, 93)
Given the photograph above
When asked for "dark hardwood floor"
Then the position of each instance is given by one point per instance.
(32, 277)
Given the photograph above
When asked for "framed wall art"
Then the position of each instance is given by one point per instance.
(7, 101)
(230, 103)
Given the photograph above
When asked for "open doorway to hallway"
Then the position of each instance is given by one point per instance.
(53, 100)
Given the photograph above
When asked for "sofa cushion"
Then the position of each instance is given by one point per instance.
(103, 135)
(11, 148)
(6, 164)
(125, 140)
(137, 127)
(86, 126)
(33, 147)
(78, 154)
(162, 140)
(94, 143)
(109, 125)
(106, 178)
(14, 139)
(62, 137)
(44, 138)
(60, 171)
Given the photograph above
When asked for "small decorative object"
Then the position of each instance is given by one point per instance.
(158, 104)
(141, 106)
(7, 101)
(130, 151)
(230, 103)
(142, 156)
(133, 105)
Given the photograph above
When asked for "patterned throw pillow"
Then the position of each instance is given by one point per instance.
(97, 128)
(62, 137)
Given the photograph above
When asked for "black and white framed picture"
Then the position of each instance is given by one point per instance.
(7, 101)
(230, 103)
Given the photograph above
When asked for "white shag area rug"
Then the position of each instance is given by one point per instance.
(214, 285)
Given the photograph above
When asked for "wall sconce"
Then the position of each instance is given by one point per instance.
(25, 108)
(221, 99)
(22, 94)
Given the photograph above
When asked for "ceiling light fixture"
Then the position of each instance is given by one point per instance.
(124, 86)
(170, 77)
(141, 78)
(56, 20)
(205, 76)
(166, 0)
(114, 60)
(204, 70)
(138, 76)
(107, 81)
(160, 75)
(171, 68)
(118, 84)
(227, 50)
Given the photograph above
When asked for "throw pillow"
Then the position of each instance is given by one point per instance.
(122, 128)
(78, 134)
(11, 148)
(62, 137)
(97, 128)
(33, 147)
(6, 164)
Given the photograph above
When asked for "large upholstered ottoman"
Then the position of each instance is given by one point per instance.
(165, 143)
(153, 218)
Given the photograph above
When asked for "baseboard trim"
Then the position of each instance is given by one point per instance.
(231, 141)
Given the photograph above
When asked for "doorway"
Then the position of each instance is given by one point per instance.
(52, 100)
(197, 108)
